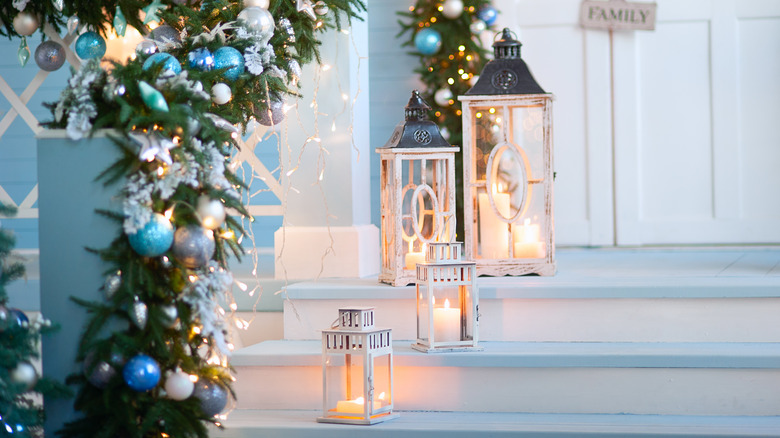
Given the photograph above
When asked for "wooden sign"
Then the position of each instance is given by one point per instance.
(617, 15)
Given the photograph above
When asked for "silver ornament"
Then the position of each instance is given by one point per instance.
(112, 284)
(100, 374)
(286, 26)
(257, 3)
(193, 126)
(477, 27)
(139, 313)
(49, 56)
(73, 24)
(25, 23)
(25, 374)
(258, 21)
(193, 246)
(271, 115)
(58, 4)
(452, 9)
(169, 315)
(321, 8)
(146, 48)
(221, 123)
(212, 395)
(166, 34)
(4, 318)
(305, 7)
(443, 96)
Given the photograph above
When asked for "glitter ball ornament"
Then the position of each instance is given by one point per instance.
(477, 27)
(211, 212)
(213, 396)
(488, 14)
(141, 373)
(24, 373)
(25, 23)
(257, 20)
(146, 48)
(179, 385)
(170, 63)
(49, 56)
(286, 26)
(166, 33)
(271, 115)
(427, 41)
(154, 239)
(230, 59)
(200, 59)
(442, 97)
(139, 313)
(100, 374)
(452, 9)
(193, 246)
(90, 45)
(221, 94)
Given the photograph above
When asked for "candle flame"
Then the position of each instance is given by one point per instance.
(360, 400)
(446, 303)
(382, 396)
(527, 222)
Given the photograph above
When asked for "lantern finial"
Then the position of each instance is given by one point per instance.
(417, 108)
(507, 47)
(416, 131)
(507, 73)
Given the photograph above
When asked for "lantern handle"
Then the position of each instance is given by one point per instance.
(505, 34)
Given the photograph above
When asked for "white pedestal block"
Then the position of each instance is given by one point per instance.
(322, 252)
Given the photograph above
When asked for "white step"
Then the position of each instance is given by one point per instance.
(729, 379)
(617, 295)
(301, 424)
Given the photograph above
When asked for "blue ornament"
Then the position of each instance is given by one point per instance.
(154, 238)
(141, 373)
(427, 41)
(18, 317)
(488, 14)
(90, 45)
(201, 59)
(230, 58)
(169, 62)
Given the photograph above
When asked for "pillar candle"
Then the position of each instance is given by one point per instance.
(527, 244)
(446, 323)
(493, 232)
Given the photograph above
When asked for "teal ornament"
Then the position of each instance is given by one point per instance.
(152, 98)
(120, 22)
(427, 41)
(193, 246)
(170, 65)
(90, 45)
(152, 11)
(201, 59)
(154, 239)
(230, 59)
(24, 52)
(488, 14)
(141, 373)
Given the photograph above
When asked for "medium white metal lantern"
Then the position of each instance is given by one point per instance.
(447, 301)
(357, 370)
(417, 189)
(507, 168)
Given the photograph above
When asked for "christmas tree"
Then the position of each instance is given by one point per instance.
(446, 37)
(20, 415)
(156, 351)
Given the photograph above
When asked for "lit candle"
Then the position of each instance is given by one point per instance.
(356, 406)
(493, 236)
(446, 323)
(526, 241)
(413, 258)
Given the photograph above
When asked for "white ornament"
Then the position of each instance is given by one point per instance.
(221, 94)
(477, 27)
(26, 24)
(211, 212)
(257, 3)
(452, 9)
(179, 386)
(24, 373)
(442, 97)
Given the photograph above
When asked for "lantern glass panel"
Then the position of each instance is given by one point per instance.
(346, 394)
(452, 311)
(528, 134)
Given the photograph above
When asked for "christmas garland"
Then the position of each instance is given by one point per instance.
(174, 109)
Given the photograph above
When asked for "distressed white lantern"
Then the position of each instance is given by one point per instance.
(507, 168)
(357, 370)
(447, 301)
(417, 190)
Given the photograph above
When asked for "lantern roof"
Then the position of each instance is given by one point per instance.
(416, 131)
(507, 73)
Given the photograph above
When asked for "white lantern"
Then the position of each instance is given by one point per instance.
(417, 190)
(507, 168)
(447, 301)
(357, 370)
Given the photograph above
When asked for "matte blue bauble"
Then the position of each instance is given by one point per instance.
(169, 62)
(201, 59)
(90, 45)
(488, 14)
(230, 58)
(141, 373)
(427, 41)
(154, 239)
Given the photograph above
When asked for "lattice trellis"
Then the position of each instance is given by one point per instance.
(19, 109)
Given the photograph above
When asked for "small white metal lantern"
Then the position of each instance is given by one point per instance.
(357, 370)
(447, 301)
(417, 190)
(507, 168)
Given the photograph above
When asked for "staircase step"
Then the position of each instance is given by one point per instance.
(301, 424)
(578, 378)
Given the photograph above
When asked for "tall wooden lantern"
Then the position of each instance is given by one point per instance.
(357, 370)
(447, 301)
(507, 168)
(417, 179)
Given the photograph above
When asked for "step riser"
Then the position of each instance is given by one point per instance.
(657, 391)
(569, 320)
